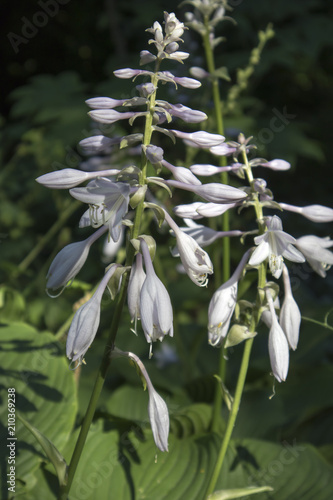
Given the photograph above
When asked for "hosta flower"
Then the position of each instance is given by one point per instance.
(222, 150)
(86, 322)
(136, 281)
(68, 178)
(189, 211)
(200, 139)
(315, 213)
(277, 345)
(104, 102)
(213, 192)
(207, 170)
(315, 251)
(205, 236)
(97, 144)
(69, 261)
(222, 305)
(182, 174)
(155, 305)
(188, 115)
(214, 209)
(157, 408)
(109, 116)
(290, 316)
(154, 154)
(196, 261)
(275, 244)
(131, 73)
(277, 164)
(108, 204)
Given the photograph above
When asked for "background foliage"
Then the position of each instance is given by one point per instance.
(43, 115)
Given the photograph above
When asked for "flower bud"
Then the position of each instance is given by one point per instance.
(200, 139)
(97, 144)
(104, 102)
(290, 316)
(70, 260)
(315, 213)
(276, 165)
(86, 321)
(130, 73)
(109, 116)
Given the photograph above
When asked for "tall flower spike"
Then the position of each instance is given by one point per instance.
(277, 345)
(69, 261)
(222, 305)
(275, 244)
(196, 261)
(86, 322)
(290, 316)
(157, 408)
(155, 305)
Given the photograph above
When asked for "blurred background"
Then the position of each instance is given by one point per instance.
(56, 54)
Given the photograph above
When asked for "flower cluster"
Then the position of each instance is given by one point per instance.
(272, 247)
(118, 198)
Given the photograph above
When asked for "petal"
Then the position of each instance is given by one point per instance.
(260, 254)
(278, 351)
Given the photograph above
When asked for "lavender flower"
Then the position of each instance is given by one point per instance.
(213, 192)
(315, 251)
(222, 305)
(182, 174)
(68, 178)
(277, 345)
(108, 203)
(196, 261)
(155, 305)
(86, 321)
(157, 408)
(275, 244)
(136, 281)
(200, 139)
(290, 316)
(205, 236)
(277, 164)
(70, 260)
(315, 213)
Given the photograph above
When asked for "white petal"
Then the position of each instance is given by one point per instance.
(260, 254)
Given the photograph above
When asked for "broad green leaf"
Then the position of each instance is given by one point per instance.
(33, 364)
(124, 465)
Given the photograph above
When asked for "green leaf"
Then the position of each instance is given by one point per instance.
(51, 451)
(222, 73)
(33, 364)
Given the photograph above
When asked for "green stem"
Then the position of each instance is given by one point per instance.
(106, 359)
(320, 323)
(218, 400)
(232, 416)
